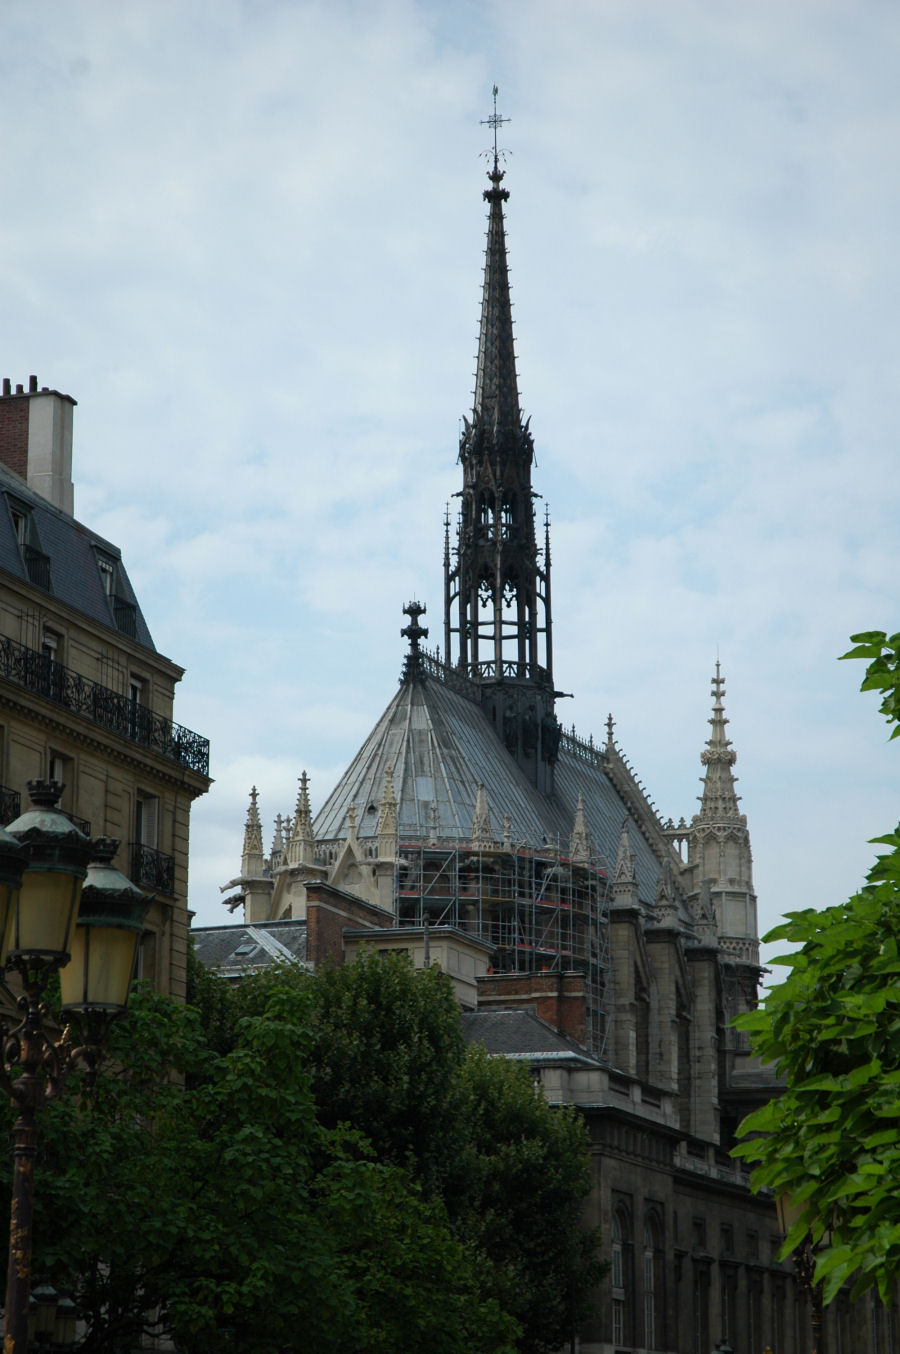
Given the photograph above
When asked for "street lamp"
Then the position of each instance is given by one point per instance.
(804, 1258)
(52, 914)
(105, 941)
(51, 1321)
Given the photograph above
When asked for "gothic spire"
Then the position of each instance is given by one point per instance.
(496, 385)
(252, 856)
(580, 840)
(624, 888)
(719, 867)
(387, 817)
(719, 802)
(624, 872)
(302, 844)
(497, 623)
(482, 829)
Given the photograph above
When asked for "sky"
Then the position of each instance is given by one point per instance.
(247, 237)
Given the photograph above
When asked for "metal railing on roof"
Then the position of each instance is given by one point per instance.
(586, 749)
(108, 709)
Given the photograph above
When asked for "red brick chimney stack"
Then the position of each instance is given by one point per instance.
(36, 439)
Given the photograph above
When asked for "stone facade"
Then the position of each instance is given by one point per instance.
(85, 698)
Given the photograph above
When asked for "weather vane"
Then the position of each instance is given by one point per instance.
(495, 121)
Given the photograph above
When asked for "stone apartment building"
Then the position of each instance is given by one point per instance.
(85, 697)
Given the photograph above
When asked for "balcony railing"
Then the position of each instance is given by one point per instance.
(108, 709)
(83, 824)
(10, 804)
(152, 868)
(125, 614)
(37, 566)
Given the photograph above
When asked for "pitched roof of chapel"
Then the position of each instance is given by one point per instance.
(441, 748)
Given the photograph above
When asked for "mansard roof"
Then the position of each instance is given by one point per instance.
(238, 949)
(73, 552)
(518, 1033)
(441, 749)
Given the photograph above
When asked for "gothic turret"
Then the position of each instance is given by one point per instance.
(497, 625)
(252, 855)
(302, 845)
(719, 862)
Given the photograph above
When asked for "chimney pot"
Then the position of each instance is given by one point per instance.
(32, 385)
(20, 389)
(7, 387)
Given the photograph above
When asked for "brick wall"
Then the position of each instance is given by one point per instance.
(329, 912)
(14, 433)
(558, 998)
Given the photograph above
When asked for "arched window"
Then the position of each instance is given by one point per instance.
(618, 1280)
(620, 1273)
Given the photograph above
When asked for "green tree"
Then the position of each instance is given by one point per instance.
(312, 1164)
(386, 1058)
(832, 1028)
(527, 1176)
(389, 1060)
(219, 1208)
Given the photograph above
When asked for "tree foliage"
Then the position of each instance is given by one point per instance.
(315, 1164)
(832, 1028)
(525, 1180)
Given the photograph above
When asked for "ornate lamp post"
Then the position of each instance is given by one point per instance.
(804, 1258)
(53, 916)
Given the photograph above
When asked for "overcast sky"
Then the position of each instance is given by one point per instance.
(247, 238)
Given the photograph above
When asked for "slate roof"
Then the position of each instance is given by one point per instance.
(441, 747)
(239, 949)
(72, 549)
(519, 1033)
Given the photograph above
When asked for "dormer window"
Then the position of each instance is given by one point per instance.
(107, 575)
(37, 564)
(124, 612)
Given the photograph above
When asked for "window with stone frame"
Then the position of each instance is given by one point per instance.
(621, 1277)
(653, 1283)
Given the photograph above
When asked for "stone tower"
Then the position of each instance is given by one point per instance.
(718, 876)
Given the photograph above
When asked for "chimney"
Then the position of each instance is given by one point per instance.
(36, 440)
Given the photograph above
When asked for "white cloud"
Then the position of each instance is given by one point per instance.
(247, 238)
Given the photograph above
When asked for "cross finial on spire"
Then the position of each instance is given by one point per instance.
(495, 121)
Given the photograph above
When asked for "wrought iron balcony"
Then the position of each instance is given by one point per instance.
(108, 709)
(83, 824)
(37, 566)
(152, 869)
(10, 804)
(125, 614)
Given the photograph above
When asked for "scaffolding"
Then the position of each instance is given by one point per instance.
(540, 911)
